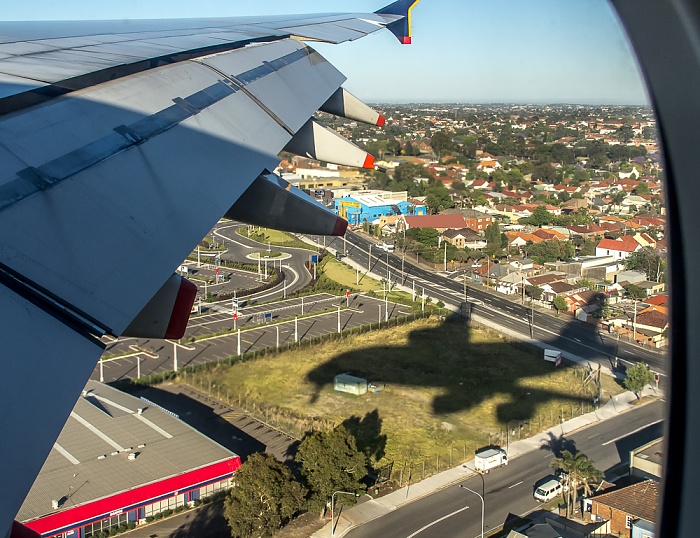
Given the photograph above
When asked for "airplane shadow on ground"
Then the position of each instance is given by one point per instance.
(467, 372)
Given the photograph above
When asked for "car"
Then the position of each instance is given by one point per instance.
(548, 491)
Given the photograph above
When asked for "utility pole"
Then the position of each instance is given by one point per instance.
(296, 329)
(464, 281)
(445, 256)
(369, 259)
(238, 349)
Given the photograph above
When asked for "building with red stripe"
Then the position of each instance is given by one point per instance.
(119, 461)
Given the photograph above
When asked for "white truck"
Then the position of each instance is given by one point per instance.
(490, 458)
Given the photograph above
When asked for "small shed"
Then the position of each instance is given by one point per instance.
(350, 384)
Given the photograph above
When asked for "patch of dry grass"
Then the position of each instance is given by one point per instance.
(446, 386)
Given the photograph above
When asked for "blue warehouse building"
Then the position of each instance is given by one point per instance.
(371, 205)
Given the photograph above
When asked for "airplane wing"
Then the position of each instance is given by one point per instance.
(121, 145)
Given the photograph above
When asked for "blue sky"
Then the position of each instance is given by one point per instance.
(470, 51)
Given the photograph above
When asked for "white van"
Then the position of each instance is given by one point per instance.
(548, 491)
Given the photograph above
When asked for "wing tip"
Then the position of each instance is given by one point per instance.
(341, 226)
(181, 310)
(381, 121)
(369, 162)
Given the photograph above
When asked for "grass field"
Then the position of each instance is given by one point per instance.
(446, 386)
(276, 238)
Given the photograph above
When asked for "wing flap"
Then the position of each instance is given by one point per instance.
(273, 202)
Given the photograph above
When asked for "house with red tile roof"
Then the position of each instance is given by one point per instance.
(520, 239)
(619, 248)
(439, 222)
(550, 235)
(588, 231)
(626, 508)
(657, 300)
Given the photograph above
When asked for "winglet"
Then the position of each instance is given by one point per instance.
(400, 28)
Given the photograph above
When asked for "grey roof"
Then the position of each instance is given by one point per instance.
(105, 422)
(652, 452)
(467, 233)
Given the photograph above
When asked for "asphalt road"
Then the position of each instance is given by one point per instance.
(564, 333)
(508, 490)
(147, 356)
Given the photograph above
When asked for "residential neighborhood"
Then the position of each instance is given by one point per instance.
(559, 206)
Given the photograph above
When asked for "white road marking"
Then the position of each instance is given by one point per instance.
(511, 487)
(631, 433)
(437, 521)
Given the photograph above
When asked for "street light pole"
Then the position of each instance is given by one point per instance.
(483, 507)
(333, 507)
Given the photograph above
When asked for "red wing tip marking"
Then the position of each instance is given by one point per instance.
(381, 121)
(340, 226)
(181, 310)
(406, 40)
(369, 162)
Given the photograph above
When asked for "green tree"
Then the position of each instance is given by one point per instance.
(617, 198)
(534, 291)
(544, 172)
(580, 471)
(642, 188)
(266, 498)
(638, 377)
(560, 303)
(585, 283)
(407, 172)
(635, 292)
(540, 216)
(649, 262)
(625, 134)
(330, 461)
(493, 238)
(441, 143)
(438, 198)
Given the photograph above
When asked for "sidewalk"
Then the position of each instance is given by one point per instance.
(369, 510)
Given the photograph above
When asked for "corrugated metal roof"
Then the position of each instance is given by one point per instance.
(171, 447)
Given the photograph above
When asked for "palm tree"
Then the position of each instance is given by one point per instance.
(580, 472)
